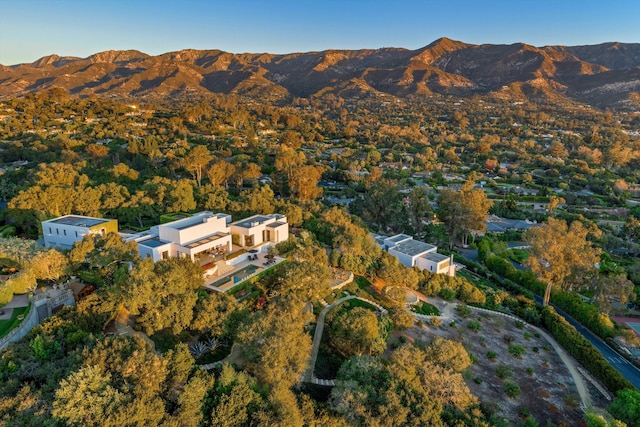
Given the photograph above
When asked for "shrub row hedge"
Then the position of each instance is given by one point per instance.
(585, 313)
(584, 352)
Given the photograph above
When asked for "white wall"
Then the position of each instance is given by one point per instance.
(62, 235)
(403, 258)
(202, 227)
(280, 234)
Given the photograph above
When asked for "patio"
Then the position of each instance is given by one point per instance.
(242, 271)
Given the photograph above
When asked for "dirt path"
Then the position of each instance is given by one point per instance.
(571, 365)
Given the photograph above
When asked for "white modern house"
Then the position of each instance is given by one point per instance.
(64, 231)
(202, 234)
(413, 253)
(202, 237)
(205, 235)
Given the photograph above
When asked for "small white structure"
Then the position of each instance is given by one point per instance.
(413, 253)
(259, 229)
(64, 231)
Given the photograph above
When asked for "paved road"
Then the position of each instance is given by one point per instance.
(622, 365)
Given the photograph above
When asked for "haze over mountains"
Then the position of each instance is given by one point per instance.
(605, 75)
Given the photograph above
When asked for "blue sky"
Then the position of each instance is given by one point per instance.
(30, 29)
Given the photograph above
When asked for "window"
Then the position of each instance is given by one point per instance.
(76, 234)
(165, 254)
(57, 231)
(65, 232)
(49, 230)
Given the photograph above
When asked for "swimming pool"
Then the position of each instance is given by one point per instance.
(245, 272)
(237, 277)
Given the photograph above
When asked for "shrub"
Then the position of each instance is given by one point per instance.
(474, 325)
(517, 350)
(463, 310)
(519, 324)
(511, 389)
(527, 335)
(436, 321)
(491, 355)
(448, 294)
(524, 412)
(504, 372)
(235, 254)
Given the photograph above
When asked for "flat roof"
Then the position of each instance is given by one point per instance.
(435, 257)
(398, 237)
(187, 224)
(153, 243)
(246, 223)
(204, 240)
(412, 247)
(79, 221)
(276, 224)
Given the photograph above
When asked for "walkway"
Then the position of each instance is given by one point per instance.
(317, 338)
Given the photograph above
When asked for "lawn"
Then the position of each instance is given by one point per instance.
(353, 303)
(426, 309)
(9, 324)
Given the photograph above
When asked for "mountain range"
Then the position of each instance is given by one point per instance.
(604, 75)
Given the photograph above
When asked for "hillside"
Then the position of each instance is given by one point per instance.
(606, 75)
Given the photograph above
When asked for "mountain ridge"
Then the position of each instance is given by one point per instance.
(607, 74)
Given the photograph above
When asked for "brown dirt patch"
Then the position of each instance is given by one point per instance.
(548, 392)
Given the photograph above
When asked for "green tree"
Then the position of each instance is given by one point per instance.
(558, 250)
(626, 407)
(381, 204)
(370, 393)
(163, 295)
(276, 345)
(418, 208)
(236, 400)
(463, 211)
(220, 172)
(87, 398)
(196, 161)
(356, 332)
(212, 312)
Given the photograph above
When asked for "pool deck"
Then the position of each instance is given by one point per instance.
(260, 263)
